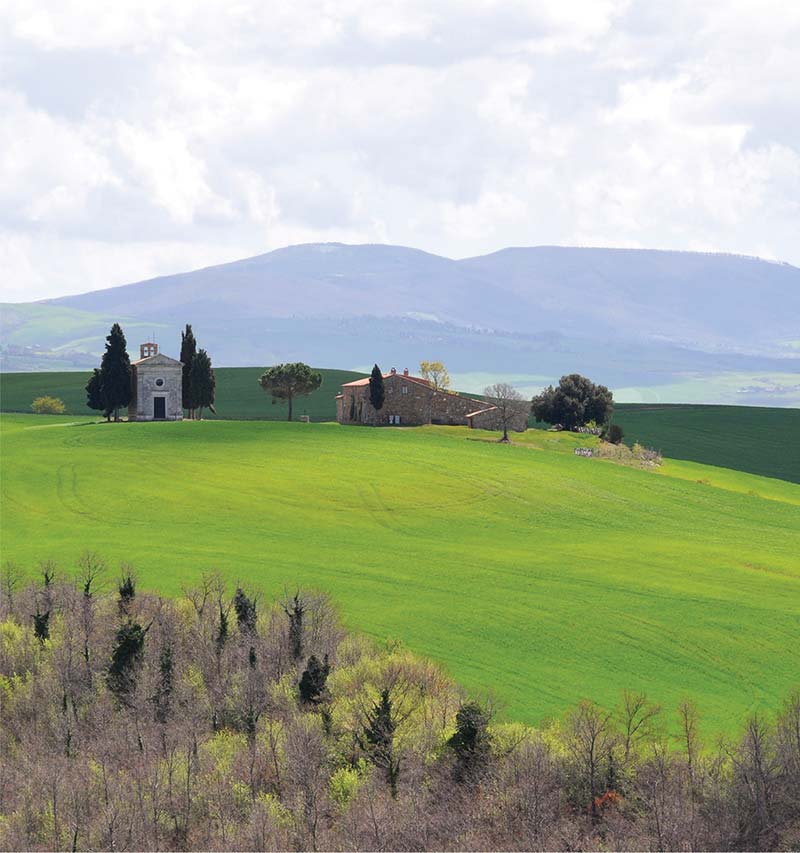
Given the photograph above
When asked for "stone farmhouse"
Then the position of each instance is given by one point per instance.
(156, 386)
(413, 401)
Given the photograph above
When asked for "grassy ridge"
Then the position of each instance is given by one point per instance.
(530, 572)
(757, 440)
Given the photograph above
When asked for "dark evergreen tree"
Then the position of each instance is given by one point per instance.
(295, 610)
(470, 743)
(162, 698)
(287, 381)
(126, 660)
(94, 393)
(245, 608)
(312, 682)
(222, 629)
(115, 372)
(188, 352)
(127, 592)
(377, 392)
(41, 625)
(203, 383)
(378, 739)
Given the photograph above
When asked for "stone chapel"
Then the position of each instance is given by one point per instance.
(156, 386)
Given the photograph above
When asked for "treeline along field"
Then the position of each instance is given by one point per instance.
(238, 395)
(763, 441)
(528, 571)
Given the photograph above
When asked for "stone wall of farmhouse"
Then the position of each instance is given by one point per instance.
(415, 404)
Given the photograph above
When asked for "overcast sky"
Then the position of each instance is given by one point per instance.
(143, 137)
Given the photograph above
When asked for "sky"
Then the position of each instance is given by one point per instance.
(141, 138)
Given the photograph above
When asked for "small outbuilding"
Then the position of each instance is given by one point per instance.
(156, 386)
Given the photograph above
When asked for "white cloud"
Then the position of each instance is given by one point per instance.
(143, 137)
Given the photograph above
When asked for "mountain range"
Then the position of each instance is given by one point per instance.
(657, 321)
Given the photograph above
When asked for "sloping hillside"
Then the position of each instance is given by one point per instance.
(528, 571)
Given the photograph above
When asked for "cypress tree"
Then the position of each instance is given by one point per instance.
(295, 610)
(115, 372)
(245, 608)
(202, 382)
(188, 353)
(471, 742)
(378, 739)
(94, 392)
(162, 698)
(126, 659)
(377, 393)
(41, 625)
(312, 682)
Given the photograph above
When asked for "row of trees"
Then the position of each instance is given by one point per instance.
(230, 722)
(109, 387)
(199, 381)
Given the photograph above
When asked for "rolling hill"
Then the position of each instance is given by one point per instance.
(531, 573)
(758, 440)
(658, 326)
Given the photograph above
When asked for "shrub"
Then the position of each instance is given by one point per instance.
(615, 434)
(48, 406)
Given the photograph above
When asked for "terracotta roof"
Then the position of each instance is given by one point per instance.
(365, 381)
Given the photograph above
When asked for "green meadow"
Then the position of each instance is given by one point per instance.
(533, 575)
(758, 440)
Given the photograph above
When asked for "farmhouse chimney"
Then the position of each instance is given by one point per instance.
(146, 350)
(393, 371)
(405, 372)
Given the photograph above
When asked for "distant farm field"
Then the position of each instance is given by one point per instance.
(529, 572)
(758, 440)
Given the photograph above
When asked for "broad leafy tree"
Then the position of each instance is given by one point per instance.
(436, 373)
(287, 381)
(203, 383)
(377, 392)
(509, 402)
(188, 353)
(115, 372)
(574, 403)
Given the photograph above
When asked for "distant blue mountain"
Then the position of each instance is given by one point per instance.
(626, 317)
(707, 301)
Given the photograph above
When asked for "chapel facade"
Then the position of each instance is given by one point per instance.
(156, 386)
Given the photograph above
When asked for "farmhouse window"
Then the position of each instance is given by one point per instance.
(404, 389)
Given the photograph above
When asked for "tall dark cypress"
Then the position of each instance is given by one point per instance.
(94, 392)
(188, 352)
(203, 382)
(377, 393)
(115, 372)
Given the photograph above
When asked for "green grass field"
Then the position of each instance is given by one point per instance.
(529, 572)
(762, 441)
(758, 440)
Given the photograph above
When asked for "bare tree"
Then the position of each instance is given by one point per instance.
(509, 402)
